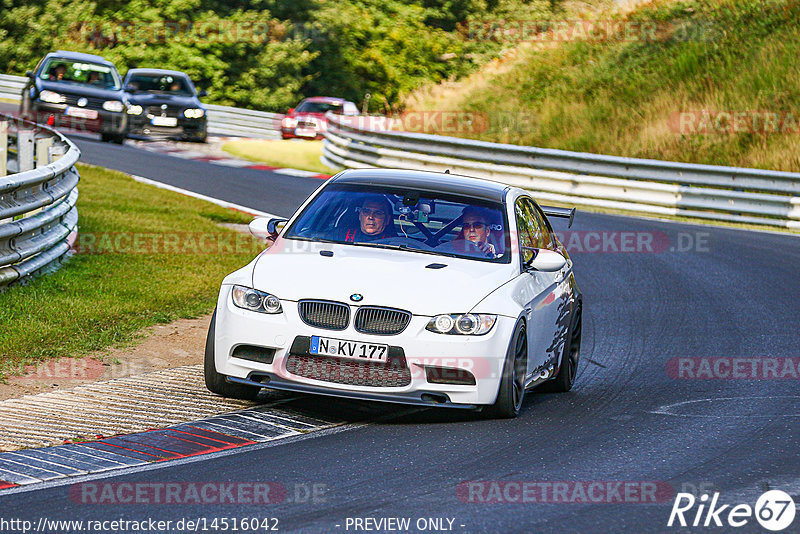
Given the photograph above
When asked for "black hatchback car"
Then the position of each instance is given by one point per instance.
(77, 91)
(165, 103)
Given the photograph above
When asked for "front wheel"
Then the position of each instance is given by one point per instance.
(512, 384)
(112, 138)
(215, 382)
(565, 378)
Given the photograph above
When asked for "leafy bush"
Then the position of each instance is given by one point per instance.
(265, 54)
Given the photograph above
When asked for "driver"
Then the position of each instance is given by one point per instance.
(475, 231)
(375, 221)
(58, 72)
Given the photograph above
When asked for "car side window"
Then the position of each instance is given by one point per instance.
(532, 227)
(526, 229)
(545, 237)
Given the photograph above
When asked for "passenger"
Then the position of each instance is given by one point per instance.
(375, 218)
(475, 232)
(175, 87)
(94, 78)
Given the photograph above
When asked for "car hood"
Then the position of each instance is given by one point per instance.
(156, 99)
(81, 90)
(398, 279)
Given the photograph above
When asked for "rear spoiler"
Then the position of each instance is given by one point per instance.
(566, 213)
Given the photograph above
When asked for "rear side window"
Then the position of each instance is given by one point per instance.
(545, 238)
(527, 231)
(532, 228)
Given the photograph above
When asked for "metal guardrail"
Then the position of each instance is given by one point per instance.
(222, 120)
(729, 194)
(11, 86)
(37, 198)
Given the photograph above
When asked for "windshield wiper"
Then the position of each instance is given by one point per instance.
(396, 247)
(314, 240)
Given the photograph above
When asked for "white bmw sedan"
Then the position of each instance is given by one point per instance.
(406, 287)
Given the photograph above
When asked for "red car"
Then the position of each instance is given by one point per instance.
(307, 120)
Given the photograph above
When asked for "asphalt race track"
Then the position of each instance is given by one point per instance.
(637, 413)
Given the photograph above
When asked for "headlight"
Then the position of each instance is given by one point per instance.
(193, 113)
(51, 97)
(289, 122)
(254, 300)
(466, 324)
(113, 105)
(135, 110)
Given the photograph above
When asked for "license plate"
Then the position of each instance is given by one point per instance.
(325, 346)
(304, 132)
(164, 121)
(80, 112)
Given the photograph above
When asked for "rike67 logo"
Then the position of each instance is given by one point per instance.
(774, 510)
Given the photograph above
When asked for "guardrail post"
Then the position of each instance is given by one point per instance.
(3, 148)
(43, 146)
(25, 150)
(55, 151)
(3, 161)
(43, 151)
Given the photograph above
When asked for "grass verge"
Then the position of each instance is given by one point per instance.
(144, 256)
(302, 155)
(718, 84)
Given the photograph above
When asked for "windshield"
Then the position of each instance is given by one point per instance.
(160, 83)
(406, 219)
(78, 72)
(319, 107)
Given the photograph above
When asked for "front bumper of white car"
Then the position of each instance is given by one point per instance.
(272, 350)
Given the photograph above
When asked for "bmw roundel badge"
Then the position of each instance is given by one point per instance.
(356, 297)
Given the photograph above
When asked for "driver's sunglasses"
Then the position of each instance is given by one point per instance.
(474, 226)
(370, 212)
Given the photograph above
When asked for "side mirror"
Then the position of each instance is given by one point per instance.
(202, 93)
(264, 228)
(291, 110)
(544, 260)
(29, 74)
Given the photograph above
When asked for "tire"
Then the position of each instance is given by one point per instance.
(568, 370)
(112, 138)
(215, 382)
(512, 385)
